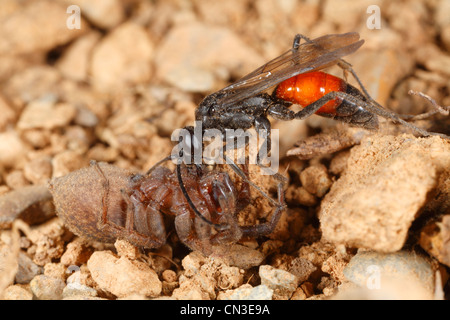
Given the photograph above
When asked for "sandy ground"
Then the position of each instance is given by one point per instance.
(368, 213)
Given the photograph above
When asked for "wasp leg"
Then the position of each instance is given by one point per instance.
(262, 126)
(375, 109)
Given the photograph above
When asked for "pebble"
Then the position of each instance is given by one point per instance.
(47, 288)
(48, 241)
(315, 180)
(239, 256)
(104, 14)
(126, 249)
(35, 26)
(345, 13)
(32, 204)
(27, 269)
(374, 270)
(12, 149)
(16, 180)
(283, 283)
(38, 170)
(78, 290)
(46, 114)
(435, 239)
(124, 56)
(66, 162)
(76, 253)
(204, 276)
(74, 63)
(123, 277)
(301, 268)
(33, 83)
(192, 57)
(17, 292)
(247, 292)
(387, 181)
(55, 270)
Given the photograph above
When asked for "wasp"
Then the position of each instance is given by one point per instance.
(298, 79)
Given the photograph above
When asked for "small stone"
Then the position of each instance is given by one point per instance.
(12, 149)
(47, 288)
(76, 253)
(435, 239)
(32, 204)
(169, 276)
(124, 56)
(123, 277)
(74, 64)
(66, 162)
(247, 292)
(17, 292)
(46, 114)
(299, 195)
(339, 162)
(282, 282)
(375, 270)
(48, 242)
(301, 268)
(239, 256)
(19, 33)
(78, 290)
(126, 249)
(38, 170)
(180, 62)
(315, 180)
(33, 83)
(55, 270)
(16, 180)
(37, 138)
(192, 263)
(299, 294)
(27, 269)
(104, 14)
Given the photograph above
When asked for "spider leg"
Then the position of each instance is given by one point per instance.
(268, 227)
(128, 232)
(144, 226)
(191, 204)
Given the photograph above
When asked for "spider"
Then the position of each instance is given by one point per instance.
(104, 203)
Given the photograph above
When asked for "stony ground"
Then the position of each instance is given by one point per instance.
(368, 213)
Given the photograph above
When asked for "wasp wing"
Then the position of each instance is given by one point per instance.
(310, 56)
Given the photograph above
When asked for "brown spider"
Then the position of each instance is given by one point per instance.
(105, 203)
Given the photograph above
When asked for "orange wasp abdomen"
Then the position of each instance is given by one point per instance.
(306, 88)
